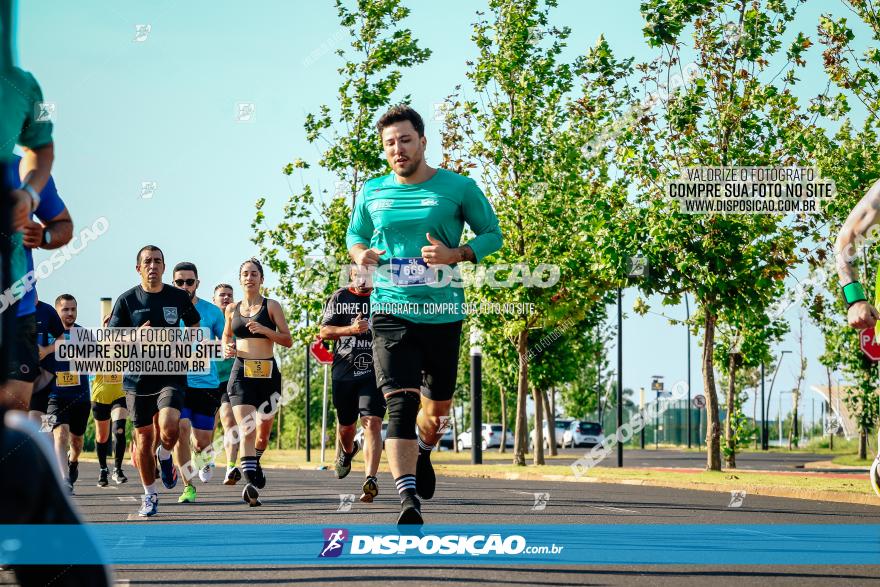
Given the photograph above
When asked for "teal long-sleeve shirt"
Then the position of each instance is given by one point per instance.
(396, 217)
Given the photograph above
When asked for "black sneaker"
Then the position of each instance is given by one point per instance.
(119, 477)
(102, 478)
(370, 490)
(426, 481)
(259, 477)
(251, 496)
(72, 471)
(410, 512)
(343, 460)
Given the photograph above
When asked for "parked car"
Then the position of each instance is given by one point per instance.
(447, 440)
(562, 425)
(583, 433)
(491, 437)
(359, 435)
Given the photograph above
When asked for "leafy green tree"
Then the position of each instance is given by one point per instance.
(727, 107)
(306, 248)
(518, 132)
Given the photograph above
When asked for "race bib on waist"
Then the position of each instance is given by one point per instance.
(113, 378)
(258, 368)
(408, 271)
(66, 379)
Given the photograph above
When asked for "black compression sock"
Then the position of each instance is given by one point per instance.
(102, 448)
(119, 436)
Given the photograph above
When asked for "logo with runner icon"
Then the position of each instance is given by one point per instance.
(333, 542)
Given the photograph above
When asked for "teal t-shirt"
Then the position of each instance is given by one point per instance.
(21, 123)
(396, 217)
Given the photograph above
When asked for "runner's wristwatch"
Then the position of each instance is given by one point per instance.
(853, 293)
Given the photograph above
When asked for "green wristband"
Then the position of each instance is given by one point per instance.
(853, 292)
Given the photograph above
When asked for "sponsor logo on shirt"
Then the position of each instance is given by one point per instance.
(170, 314)
(430, 202)
(382, 204)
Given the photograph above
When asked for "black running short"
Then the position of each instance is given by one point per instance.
(40, 400)
(24, 360)
(252, 382)
(73, 412)
(200, 405)
(224, 394)
(411, 355)
(357, 397)
(149, 398)
(103, 411)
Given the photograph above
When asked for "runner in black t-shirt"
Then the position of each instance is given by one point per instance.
(354, 381)
(67, 412)
(154, 304)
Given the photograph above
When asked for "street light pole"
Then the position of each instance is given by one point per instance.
(619, 372)
(687, 308)
(642, 408)
(764, 445)
(477, 399)
(770, 392)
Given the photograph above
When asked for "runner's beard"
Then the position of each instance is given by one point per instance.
(409, 168)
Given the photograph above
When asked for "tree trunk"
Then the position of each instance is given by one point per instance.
(730, 453)
(551, 423)
(538, 454)
(794, 433)
(520, 443)
(863, 444)
(503, 447)
(713, 431)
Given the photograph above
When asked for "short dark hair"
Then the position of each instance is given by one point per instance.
(400, 113)
(255, 262)
(149, 248)
(223, 286)
(186, 266)
(64, 298)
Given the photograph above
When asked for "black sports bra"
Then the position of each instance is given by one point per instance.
(239, 322)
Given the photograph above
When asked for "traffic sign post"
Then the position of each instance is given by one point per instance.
(870, 345)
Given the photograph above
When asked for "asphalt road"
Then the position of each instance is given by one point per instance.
(313, 497)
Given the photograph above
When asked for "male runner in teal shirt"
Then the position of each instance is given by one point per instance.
(409, 223)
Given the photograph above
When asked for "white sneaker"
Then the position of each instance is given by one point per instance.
(875, 475)
(206, 472)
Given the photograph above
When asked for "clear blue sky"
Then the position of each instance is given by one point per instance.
(163, 110)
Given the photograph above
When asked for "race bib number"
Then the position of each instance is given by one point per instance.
(66, 379)
(258, 368)
(408, 271)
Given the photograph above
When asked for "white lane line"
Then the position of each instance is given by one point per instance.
(127, 498)
(614, 509)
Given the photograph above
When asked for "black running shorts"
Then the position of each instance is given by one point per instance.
(411, 355)
(73, 412)
(357, 397)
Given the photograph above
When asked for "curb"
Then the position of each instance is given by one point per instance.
(763, 490)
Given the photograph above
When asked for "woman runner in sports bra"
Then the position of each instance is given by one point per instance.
(256, 323)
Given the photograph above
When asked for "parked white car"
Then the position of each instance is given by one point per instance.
(561, 426)
(491, 437)
(583, 433)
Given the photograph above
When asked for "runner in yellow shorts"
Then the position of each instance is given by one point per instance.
(108, 403)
